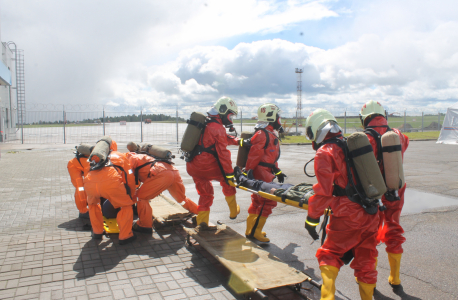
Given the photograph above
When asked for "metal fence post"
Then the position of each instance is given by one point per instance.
(141, 125)
(404, 121)
(345, 122)
(63, 117)
(177, 123)
(296, 122)
(422, 127)
(241, 121)
(103, 120)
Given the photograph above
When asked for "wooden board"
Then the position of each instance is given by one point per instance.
(166, 209)
(251, 266)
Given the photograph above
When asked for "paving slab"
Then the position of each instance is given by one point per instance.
(46, 254)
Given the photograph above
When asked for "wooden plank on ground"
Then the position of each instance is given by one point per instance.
(251, 266)
(166, 209)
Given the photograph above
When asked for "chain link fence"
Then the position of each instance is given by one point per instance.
(168, 126)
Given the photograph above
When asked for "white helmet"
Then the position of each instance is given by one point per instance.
(319, 124)
(226, 108)
(371, 109)
(268, 112)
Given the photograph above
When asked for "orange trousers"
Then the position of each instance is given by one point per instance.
(81, 201)
(116, 193)
(151, 188)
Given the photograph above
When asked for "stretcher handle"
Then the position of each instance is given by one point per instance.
(260, 294)
(314, 283)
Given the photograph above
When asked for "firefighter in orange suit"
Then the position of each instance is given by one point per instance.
(78, 167)
(156, 176)
(213, 162)
(262, 160)
(373, 118)
(112, 179)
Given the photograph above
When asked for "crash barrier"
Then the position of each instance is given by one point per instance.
(251, 266)
(48, 124)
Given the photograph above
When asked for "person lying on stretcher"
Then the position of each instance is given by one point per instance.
(300, 192)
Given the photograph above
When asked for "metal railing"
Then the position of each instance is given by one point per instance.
(74, 127)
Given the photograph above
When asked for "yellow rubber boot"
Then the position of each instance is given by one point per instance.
(395, 266)
(250, 220)
(328, 288)
(233, 207)
(366, 290)
(203, 218)
(258, 233)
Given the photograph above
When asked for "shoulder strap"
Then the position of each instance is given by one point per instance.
(137, 169)
(126, 184)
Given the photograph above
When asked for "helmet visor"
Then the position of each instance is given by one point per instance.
(325, 129)
(230, 117)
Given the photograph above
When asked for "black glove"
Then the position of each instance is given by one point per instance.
(280, 176)
(248, 174)
(310, 225)
(245, 143)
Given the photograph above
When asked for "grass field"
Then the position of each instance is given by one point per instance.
(429, 135)
(354, 122)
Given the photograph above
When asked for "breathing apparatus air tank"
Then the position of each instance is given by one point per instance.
(392, 160)
(133, 147)
(160, 152)
(366, 167)
(193, 131)
(101, 150)
(242, 154)
(85, 149)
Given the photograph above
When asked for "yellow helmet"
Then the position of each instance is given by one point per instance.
(225, 104)
(268, 112)
(371, 109)
(319, 123)
(226, 108)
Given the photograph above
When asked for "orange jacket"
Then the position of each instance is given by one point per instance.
(77, 169)
(108, 174)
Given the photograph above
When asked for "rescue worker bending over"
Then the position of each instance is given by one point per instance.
(213, 161)
(78, 167)
(373, 118)
(262, 161)
(112, 179)
(156, 176)
(350, 227)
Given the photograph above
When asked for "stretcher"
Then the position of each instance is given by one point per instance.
(168, 211)
(298, 204)
(252, 268)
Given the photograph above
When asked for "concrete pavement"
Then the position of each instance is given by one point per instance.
(44, 253)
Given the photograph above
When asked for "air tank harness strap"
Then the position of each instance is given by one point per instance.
(126, 184)
(195, 123)
(390, 149)
(137, 169)
(211, 149)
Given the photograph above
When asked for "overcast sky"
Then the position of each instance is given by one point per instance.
(159, 54)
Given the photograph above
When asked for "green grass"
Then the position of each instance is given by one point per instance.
(429, 135)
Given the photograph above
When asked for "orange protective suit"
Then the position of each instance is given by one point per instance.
(390, 229)
(204, 167)
(156, 178)
(108, 182)
(269, 155)
(78, 168)
(350, 227)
